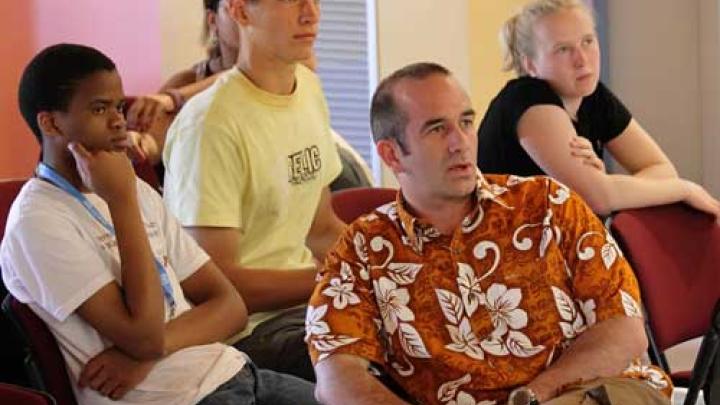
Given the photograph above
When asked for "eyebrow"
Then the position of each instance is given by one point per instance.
(105, 101)
(434, 121)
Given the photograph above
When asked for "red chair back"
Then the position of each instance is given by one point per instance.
(351, 203)
(13, 394)
(47, 365)
(9, 189)
(675, 252)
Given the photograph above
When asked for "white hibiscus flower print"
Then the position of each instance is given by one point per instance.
(503, 307)
(392, 302)
(314, 325)
(464, 340)
(341, 293)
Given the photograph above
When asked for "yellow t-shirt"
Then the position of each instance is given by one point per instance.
(237, 156)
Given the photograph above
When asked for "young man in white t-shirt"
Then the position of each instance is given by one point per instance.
(137, 307)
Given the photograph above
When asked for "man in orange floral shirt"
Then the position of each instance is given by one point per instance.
(472, 289)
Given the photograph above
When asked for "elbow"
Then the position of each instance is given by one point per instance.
(600, 207)
(600, 197)
(235, 306)
(640, 343)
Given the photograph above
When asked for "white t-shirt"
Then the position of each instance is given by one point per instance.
(55, 256)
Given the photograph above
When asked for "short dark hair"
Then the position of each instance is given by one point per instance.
(387, 119)
(49, 81)
(211, 5)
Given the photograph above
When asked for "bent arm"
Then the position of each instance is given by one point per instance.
(218, 312)
(640, 155)
(604, 350)
(344, 379)
(545, 133)
(133, 319)
(185, 82)
(326, 227)
(262, 289)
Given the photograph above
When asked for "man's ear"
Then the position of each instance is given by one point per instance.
(389, 151)
(238, 10)
(47, 121)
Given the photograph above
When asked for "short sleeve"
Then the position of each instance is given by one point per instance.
(613, 117)
(342, 314)
(205, 170)
(47, 260)
(602, 279)
(526, 92)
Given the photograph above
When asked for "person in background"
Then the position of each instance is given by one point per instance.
(221, 35)
(248, 163)
(557, 117)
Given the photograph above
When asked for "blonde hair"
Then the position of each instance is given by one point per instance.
(517, 35)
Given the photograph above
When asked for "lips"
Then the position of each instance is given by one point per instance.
(460, 167)
(306, 36)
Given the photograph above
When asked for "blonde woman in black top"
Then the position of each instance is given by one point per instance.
(557, 117)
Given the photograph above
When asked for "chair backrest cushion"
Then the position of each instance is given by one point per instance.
(43, 349)
(13, 394)
(9, 189)
(351, 203)
(675, 253)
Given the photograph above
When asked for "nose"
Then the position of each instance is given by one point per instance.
(459, 138)
(310, 12)
(580, 57)
(117, 120)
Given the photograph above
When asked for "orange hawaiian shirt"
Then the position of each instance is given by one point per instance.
(474, 314)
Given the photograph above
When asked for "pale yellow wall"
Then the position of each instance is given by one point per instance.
(180, 29)
(422, 30)
(485, 20)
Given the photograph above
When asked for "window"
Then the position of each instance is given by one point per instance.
(347, 67)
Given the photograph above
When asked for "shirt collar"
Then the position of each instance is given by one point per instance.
(416, 230)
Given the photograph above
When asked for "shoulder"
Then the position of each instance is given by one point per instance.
(523, 192)
(530, 88)
(41, 209)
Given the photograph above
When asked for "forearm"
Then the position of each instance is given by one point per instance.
(272, 289)
(333, 388)
(664, 170)
(212, 321)
(142, 291)
(604, 350)
(321, 243)
(625, 192)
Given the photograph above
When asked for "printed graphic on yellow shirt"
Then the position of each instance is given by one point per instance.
(304, 165)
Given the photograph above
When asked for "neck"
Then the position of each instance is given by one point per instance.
(572, 105)
(228, 56)
(269, 74)
(64, 165)
(444, 214)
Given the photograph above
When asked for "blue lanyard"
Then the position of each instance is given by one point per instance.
(48, 173)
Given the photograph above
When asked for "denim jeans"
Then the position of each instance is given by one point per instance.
(256, 386)
(278, 344)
